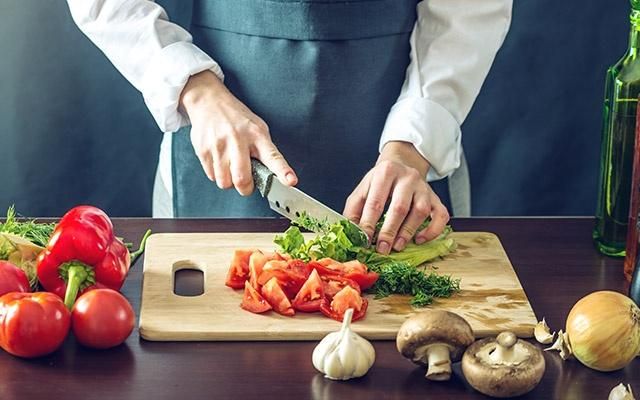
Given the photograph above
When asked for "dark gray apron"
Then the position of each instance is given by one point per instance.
(323, 75)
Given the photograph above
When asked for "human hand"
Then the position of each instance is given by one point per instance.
(399, 175)
(226, 134)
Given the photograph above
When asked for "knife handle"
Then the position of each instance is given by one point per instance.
(262, 176)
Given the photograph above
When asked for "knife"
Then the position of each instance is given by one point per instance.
(293, 203)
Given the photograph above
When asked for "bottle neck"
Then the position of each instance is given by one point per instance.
(634, 34)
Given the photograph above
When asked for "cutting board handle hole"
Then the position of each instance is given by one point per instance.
(188, 278)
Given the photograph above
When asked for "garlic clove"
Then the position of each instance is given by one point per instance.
(565, 351)
(621, 392)
(562, 345)
(542, 332)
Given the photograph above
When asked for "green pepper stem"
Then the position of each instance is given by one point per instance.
(143, 242)
(77, 276)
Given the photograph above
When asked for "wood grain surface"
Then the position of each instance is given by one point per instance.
(491, 297)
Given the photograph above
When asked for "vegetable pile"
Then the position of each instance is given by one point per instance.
(329, 272)
(22, 241)
(275, 281)
(399, 272)
(78, 255)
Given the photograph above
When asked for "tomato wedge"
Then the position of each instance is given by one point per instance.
(354, 270)
(355, 266)
(347, 298)
(310, 295)
(291, 275)
(239, 269)
(273, 293)
(253, 301)
(364, 280)
(332, 284)
(256, 264)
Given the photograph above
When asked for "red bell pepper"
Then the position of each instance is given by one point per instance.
(12, 279)
(32, 324)
(83, 253)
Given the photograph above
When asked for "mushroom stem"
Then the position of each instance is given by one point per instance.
(439, 368)
(507, 352)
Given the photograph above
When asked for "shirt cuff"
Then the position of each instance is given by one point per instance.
(166, 77)
(433, 131)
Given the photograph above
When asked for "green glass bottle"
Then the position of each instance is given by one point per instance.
(622, 88)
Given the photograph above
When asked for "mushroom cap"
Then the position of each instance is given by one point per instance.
(502, 380)
(431, 327)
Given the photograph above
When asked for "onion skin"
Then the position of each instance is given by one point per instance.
(604, 330)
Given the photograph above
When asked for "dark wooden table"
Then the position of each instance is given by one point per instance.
(553, 257)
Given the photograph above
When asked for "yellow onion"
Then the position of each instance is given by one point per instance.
(604, 330)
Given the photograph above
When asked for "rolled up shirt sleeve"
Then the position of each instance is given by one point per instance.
(453, 45)
(154, 54)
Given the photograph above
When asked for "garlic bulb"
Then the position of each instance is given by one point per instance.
(344, 354)
(621, 392)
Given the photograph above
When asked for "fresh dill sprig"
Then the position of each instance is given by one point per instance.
(399, 277)
(36, 233)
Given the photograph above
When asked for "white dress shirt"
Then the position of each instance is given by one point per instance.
(453, 45)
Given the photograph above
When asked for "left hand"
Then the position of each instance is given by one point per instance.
(399, 176)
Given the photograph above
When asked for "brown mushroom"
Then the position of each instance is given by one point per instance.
(504, 366)
(435, 338)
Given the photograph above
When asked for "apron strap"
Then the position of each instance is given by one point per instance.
(460, 189)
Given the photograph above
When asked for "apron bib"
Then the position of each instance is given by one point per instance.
(322, 74)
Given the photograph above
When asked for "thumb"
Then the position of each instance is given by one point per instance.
(271, 157)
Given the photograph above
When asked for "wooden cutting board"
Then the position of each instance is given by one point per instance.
(491, 297)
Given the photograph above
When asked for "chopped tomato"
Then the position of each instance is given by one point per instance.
(300, 267)
(256, 264)
(281, 257)
(274, 294)
(239, 269)
(309, 297)
(354, 270)
(364, 280)
(328, 266)
(332, 284)
(253, 301)
(354, 266)
(275, 281)
(291, 275)
(270, 269)
(347, 298)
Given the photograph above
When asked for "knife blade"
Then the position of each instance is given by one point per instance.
(291, 202)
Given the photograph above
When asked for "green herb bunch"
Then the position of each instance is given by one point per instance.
(36, 233)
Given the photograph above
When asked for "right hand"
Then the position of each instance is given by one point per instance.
(226, 134)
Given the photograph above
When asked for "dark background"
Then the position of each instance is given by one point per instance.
(73, 130)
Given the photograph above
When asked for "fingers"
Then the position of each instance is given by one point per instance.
(379, 191)
(240, 169)
(206, 161)
(221, 166)
(420, 210)
(274, 160)
(398, 209)
(439, 219)
(355, 202)
(203, 152)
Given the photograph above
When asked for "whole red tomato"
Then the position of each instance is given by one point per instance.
(32, 324)
(12, 279)
(102, 318)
